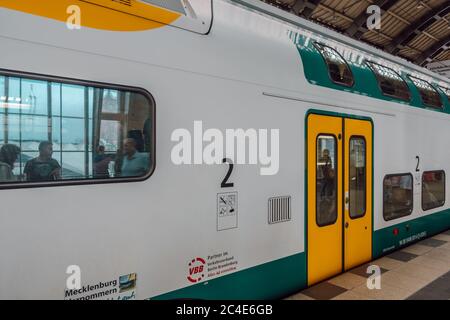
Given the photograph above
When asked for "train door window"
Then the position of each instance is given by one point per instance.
(433, 189)
(338, 69)
(397, 196)
(430, 96)
(446, 92)
(390, 82)
(55, 131)
(3, 102)
(326, 180)
(357, 176)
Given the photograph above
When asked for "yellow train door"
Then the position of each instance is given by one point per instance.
(324, 197)
(339, 195)
(358, 192)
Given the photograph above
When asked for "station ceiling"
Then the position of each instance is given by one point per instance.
(418, 31)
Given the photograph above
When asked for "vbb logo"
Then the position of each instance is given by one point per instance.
(196, 270)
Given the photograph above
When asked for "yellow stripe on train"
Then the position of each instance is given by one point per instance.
(130, 15)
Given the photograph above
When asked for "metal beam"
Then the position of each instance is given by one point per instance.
(396, 16)
(335, 13)
(435, 49)
(417, 27)
(298, 7)
(358, 27)
(305, 8)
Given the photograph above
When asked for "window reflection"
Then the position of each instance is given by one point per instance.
(35, 93)
(357, 176)
(397, 196)
(429, 95)
(433, 189)
(72, 101)
(326, 184)
(111, 101)
(446, 91)
(390, 82)
(337, 67)
(64, 131)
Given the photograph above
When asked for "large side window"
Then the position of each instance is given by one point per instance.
(326, 180)
(54, 131)
(433, 189)
(430, 96)
(338, 68)
(397, 196)
(390, 82)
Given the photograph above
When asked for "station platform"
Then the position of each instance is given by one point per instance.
(418, 272)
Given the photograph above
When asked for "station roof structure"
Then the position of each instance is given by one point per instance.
(418, 31)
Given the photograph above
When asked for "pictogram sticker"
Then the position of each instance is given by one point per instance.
(227, 210)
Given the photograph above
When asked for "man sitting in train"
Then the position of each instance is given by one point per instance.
(44, 167)
(134, 163)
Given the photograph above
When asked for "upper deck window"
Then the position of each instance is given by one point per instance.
(430, 96)
(338, 68)
(446, 92)
(390, 82)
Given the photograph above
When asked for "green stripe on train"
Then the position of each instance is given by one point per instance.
(385, 241)
(272, 280)
(279, 278)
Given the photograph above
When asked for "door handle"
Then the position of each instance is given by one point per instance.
(347, 200)
(346, 225)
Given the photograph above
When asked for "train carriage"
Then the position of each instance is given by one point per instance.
(358, 150)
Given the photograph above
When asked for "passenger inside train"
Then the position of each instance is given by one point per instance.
(43, 167)
(8, 156)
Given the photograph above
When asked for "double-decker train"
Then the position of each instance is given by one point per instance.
(108, 108)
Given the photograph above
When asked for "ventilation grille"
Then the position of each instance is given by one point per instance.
(279, 209)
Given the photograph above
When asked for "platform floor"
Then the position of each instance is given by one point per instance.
(418, 272)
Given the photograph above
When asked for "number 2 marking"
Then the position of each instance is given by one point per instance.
(418, 162)
(225, 183)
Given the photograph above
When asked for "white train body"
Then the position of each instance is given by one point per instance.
(246, 72)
